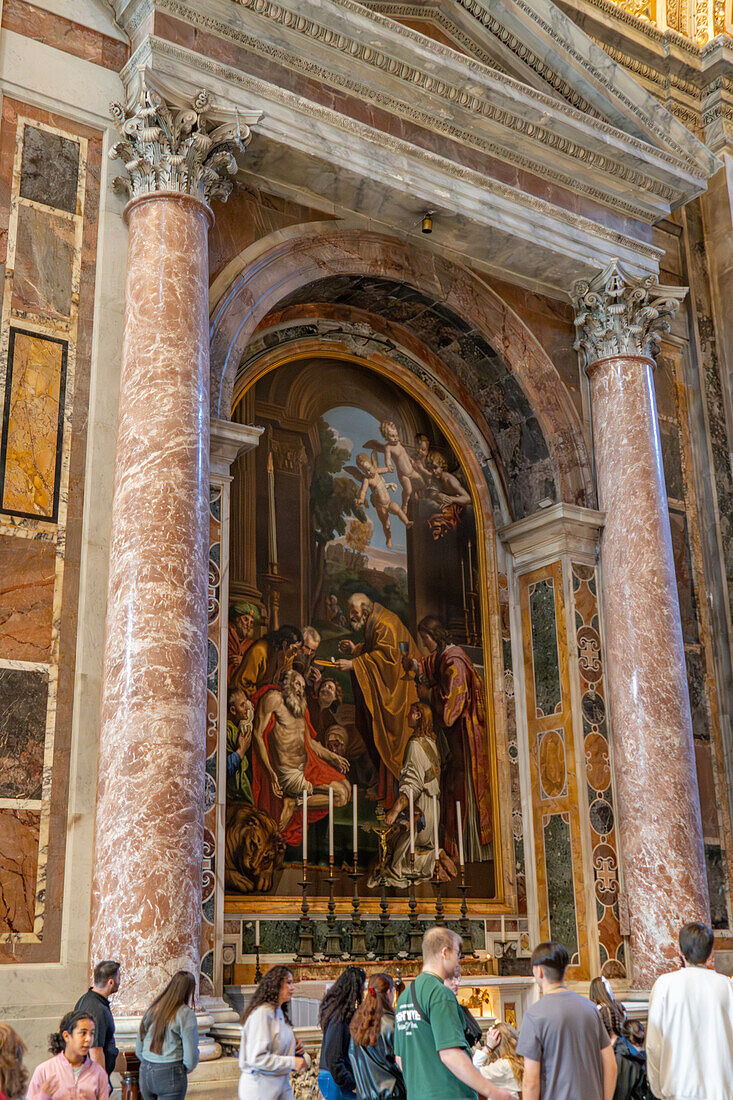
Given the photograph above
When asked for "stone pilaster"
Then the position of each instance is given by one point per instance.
(619, 320)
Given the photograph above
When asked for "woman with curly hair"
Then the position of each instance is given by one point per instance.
(499, 1061)
(13, 1077)
(631, 1080)
(341, 1000)
(269, 1052)
(371, 1050)
(70, 1074)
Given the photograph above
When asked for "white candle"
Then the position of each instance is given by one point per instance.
(305, 826)
(470, 567)
(463, 582)
(412, 822)
(272, 516)
(330, 824)
(257, 932)
(435, 823)
(460, 833)
(355, 793)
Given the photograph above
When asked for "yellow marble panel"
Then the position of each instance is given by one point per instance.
(31, 443)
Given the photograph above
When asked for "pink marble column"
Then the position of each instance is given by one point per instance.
(146, 903)
(656, 783)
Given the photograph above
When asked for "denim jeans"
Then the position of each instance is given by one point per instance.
(330, 1090)
(163, 1080)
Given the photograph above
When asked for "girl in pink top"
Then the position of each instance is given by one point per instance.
(71, 1074)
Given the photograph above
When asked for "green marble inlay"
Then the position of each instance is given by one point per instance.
(545, 660)
(560, 892)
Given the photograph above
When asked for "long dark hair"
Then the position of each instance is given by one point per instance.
(268, 991)
(366, 1021)
(56, 1041)
(179, 991)
(341, 1001)
(612, 1013)
(13, 1077)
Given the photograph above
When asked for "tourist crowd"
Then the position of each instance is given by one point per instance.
(381, 1042)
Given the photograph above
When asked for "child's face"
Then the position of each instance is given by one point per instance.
(422, 448)
(366, 468)
(390, 433)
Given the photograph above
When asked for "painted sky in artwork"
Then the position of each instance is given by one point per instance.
(355, 427)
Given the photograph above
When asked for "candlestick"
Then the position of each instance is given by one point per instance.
(470, 567)
(386, 935)
(305, 925)
(463, 584)
(460, 834)
(330, 824)
(332, 949)
(412, 825)
(438, 899)
(358, 935)
(466, 934)
(355, 794)
(435, 828)
(305, 827)
(414, 947)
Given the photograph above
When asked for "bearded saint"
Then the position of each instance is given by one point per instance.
(447, 677)
(382, 693)
(289, 760)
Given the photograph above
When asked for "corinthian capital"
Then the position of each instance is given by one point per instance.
(177, 143)
(617, 314)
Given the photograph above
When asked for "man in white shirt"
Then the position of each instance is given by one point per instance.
(689, 1046)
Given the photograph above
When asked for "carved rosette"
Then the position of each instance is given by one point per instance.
(177, 148)
(617, 314)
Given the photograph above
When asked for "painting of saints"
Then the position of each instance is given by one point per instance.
(268, 659)
(382, 694)
(446, 677)
(240, 716)
(420, 773)
(288, 759)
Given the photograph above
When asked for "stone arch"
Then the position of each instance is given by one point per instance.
(281, 264)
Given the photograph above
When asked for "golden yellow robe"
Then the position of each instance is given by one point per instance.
(260, 665)
(379, 674)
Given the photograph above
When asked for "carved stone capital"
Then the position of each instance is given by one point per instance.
(617, 314)
(177, 142)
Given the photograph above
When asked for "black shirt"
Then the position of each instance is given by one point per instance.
(104, 1025)
(335, 1054)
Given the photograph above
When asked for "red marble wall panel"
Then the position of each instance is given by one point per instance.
(27, 568)
(64, 34)
(19, 835)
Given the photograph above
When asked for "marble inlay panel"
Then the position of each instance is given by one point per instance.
(30, 453)
(547, 690)
(560, 887)
(23, 698)
(57, 187)
(27, 569)
(19, 836)
(44, 257)
(63, 34)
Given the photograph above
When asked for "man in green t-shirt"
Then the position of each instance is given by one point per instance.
(430, 1044)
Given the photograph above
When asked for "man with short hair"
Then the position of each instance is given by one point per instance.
(96, 1002)
(689, 1044)
(240, 717)
(430, 1043)
(566, 1049)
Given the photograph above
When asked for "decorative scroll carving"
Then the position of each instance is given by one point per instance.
(171, 144)
(617, 314)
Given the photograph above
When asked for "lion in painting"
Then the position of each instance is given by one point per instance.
(254, 850)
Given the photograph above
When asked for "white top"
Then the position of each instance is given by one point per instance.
(689, 1045)
(268, 1043)
(499, 1072)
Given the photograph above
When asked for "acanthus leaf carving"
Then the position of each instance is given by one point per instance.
(618, 314)
(177, 143)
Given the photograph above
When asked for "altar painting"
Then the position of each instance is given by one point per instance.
(356, 666)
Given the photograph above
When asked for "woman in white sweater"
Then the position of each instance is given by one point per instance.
(269, 1052)
(498, 1061)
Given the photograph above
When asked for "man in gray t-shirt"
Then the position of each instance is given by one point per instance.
(567, 1052)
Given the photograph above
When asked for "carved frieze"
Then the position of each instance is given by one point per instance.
(617, 314)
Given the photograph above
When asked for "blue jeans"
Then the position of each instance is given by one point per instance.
(163, 1080)
(330, 1089)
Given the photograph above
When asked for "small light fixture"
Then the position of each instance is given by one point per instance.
(427, 221)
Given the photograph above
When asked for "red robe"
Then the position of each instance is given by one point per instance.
(317, 772)
(459, 702)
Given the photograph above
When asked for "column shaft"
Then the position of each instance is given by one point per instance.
(146, 907)
(656, 781)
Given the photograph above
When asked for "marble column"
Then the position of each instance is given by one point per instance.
(618, 320)
(146, 899)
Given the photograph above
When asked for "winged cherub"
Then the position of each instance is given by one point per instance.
(370, 474)
(397, 458)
